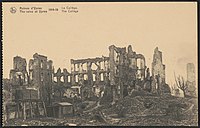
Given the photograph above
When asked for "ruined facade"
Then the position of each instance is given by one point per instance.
(18, 77)
(19, 71)
(158, 72)
(125, 69)
(40, 70)
(120, 69)
(31, 90)
(61, 83)
(191, 80)
(137, 65)
(41, 76)
(123, 72)
(63, 77)
(89, 73)
(118, 65)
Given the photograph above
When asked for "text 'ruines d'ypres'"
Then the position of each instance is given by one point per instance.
(64, 9)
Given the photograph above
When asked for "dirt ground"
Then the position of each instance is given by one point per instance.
(126, 121)
(130, 111)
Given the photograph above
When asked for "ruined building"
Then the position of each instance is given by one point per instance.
(19, 71)
(123, 72)
(18, 77)
(191, 79)
(119, 70)
(89, 74)
(61, 83)
(31, 90)
(40, 70)
(41, 75)
(158, 72)
(136, 63)
(62, 78)
(126, 68)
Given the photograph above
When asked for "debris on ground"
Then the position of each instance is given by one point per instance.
(134, 110)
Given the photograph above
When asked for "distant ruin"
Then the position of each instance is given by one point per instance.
(191, 80)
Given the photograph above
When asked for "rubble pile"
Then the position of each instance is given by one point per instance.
(126, 106)
(68, 121)
(138, 111)
(107, 97)
(133, 106)
(153, 105)
(156, 110)
(89, 105)
(159, 121)
(33, 122)
(140, 93)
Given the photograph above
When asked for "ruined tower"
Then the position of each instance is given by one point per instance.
(158, 71)
(191, 82)
(190, 72)
(19, 71)
(18, 77)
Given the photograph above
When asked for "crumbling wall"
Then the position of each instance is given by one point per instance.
(66, 77)
(137, 66)
(118, 71)
(61, 83)
(19, 71)
(125, 69)
(18, 77)
(50, 71)
(89, 72)
(41, 75)
(58, 76)
(158, 72)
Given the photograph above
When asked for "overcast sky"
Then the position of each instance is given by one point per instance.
(61, 36)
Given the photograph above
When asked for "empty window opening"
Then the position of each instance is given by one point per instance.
(69, 79)
(102, 77)
(93, 67)
(94, 77)
(85, 77)
(55, 79)
(62, 79)
(76, 78)
(84, 66)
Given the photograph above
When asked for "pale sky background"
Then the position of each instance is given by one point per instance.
(60, 36)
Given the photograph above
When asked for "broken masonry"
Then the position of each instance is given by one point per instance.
(122, 70)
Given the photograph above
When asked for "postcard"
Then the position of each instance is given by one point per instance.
(100, 64)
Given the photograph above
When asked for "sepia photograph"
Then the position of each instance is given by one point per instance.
(99, 64)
